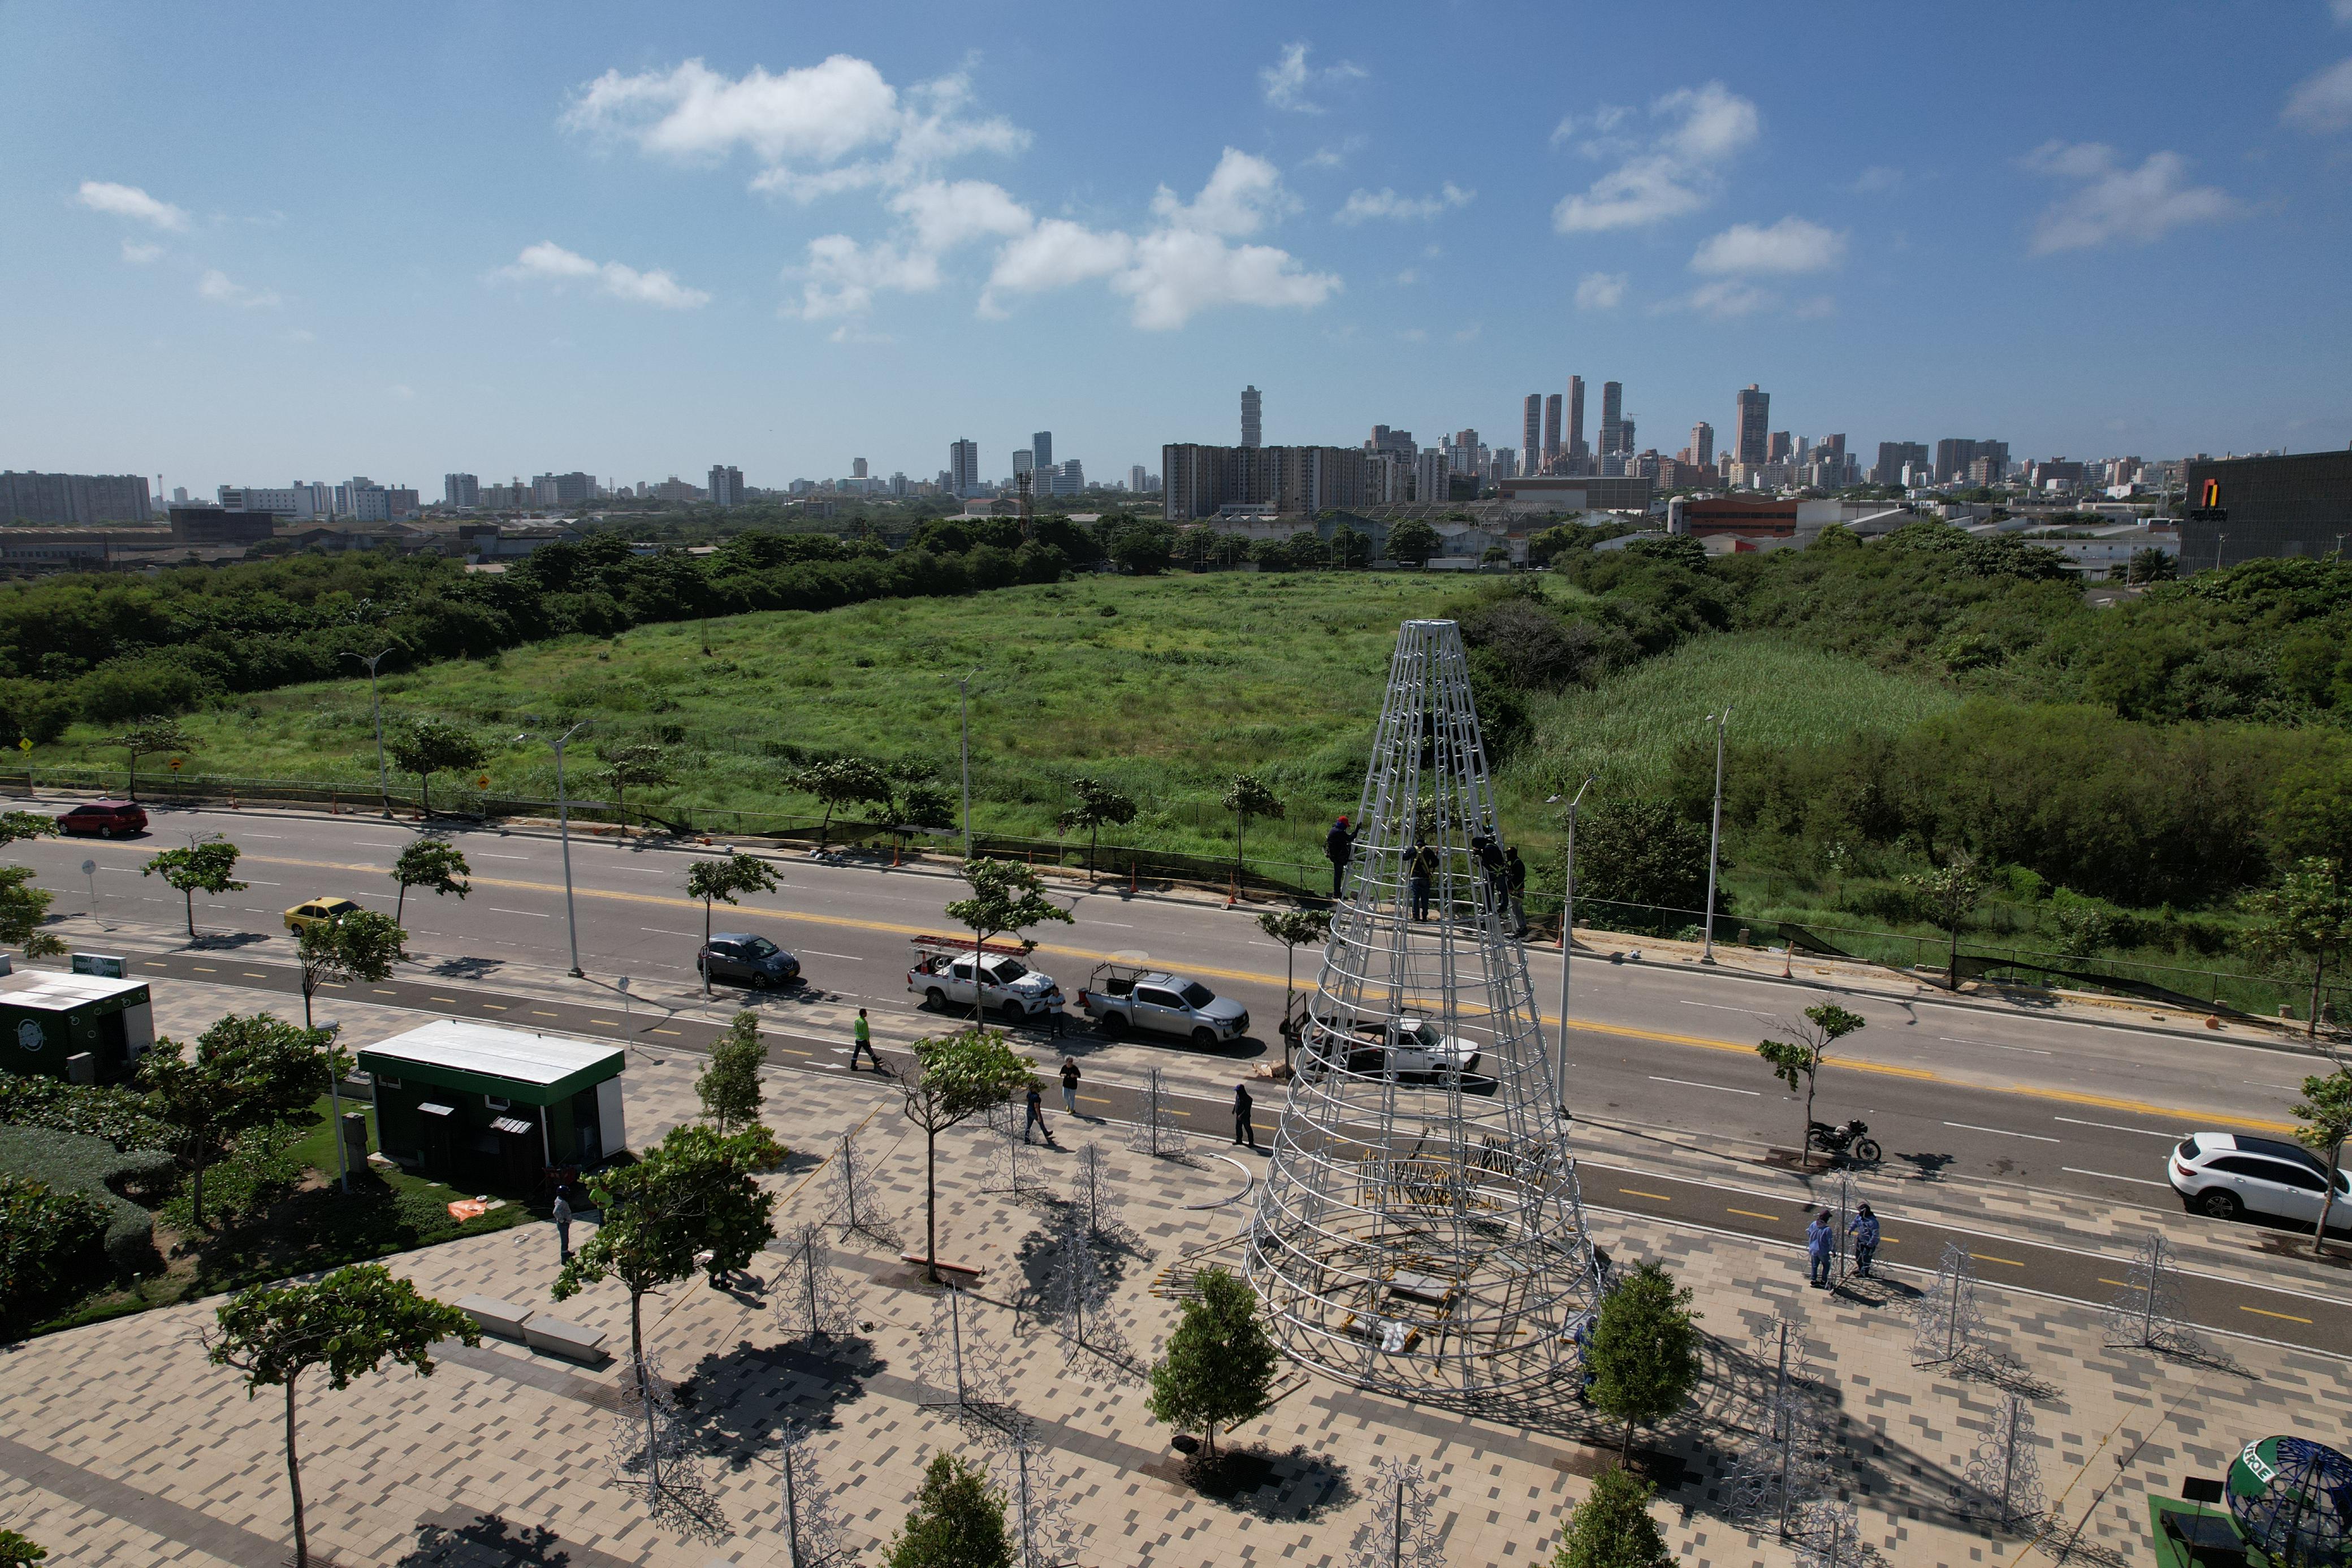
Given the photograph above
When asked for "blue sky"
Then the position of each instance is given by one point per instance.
(252, 243)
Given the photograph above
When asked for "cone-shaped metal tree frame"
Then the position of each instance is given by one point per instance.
(1419, 1231)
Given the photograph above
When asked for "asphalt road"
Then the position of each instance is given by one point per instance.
(2076, 1107)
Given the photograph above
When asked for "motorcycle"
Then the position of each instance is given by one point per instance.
(1853, 1140)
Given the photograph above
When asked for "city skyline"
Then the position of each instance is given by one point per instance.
(540, 274)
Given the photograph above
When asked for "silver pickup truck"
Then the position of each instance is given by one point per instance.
(1120, 996)
(942, 976)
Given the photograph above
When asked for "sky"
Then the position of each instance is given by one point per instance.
(254, 243)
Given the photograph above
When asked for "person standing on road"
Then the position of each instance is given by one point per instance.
(1337, 845)
(1070, 1084)
(1489, 856)
(1515, 875)
(1820, 1243)
(562, 1213)
(1865, 1239)
(1036, 1116)
(1245, 1130)
(1423, 862)
(861, 1037)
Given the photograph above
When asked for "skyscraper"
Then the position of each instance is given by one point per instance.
(963, 466)
(1041, 445)
(1574, 433)
(460, 490)
(1135, 477)
(1531, 430)
(1545, 458)
(1702, 444)
(725, 486)
(1752, 422)
(1612, 409)
(1252, 429)
(857, 467)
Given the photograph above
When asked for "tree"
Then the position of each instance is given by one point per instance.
(1219, 1363)
(1611, 1527)
(1247, 796)
(357, 945)
(956, 1079)
(957, 1520)
(1644, 1352)
(16, 826)
(1824, 1025)
(636, 763)
(1144, 548)
(729, 1086)
(435, 863)
(16, 1552)
(428, 746)
(2308, 916)
(1642, 852)
(692, 1193)
(2151, 565)
(150, 735)
(722, 880)
(1413, 541)
(1099, 805)
(1945, 898)
(202, 867)
(843, 781)
(349, 1323)
(246, 1072)
(1006, 899)
(2325, 1112)
(23, 907)
(1293, 928)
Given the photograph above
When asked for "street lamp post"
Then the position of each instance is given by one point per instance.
(375, 703)
(963, 689)
(1714, 836)
(564, 830)
(1567, 935)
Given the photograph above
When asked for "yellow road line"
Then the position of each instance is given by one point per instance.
(1636, 1192)
(1989, 1258)
(494, 1007)
(442, 998)
(543, 1013)
(2118, 1284)
(2288, 1317)
(668, 1031)
(609, 1023)
(1751, 1213)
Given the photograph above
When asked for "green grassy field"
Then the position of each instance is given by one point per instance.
(1166, 685)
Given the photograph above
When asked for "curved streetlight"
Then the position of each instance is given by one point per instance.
(963, 689)
(1567, 934)
(1714, 836)
(375, 703)
(563, 830)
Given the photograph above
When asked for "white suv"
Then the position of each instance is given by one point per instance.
(2227, 1175)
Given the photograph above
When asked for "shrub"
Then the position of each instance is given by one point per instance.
(119, 1115)
(76, 1164)
(52, 1245)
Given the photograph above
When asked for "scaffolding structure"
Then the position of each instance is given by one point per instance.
(1419, 1231)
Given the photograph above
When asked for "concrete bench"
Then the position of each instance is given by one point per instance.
(558, 1337)
(495, 1316)
(943, 1266)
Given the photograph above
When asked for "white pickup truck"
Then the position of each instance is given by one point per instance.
(942, 976)
(1405, 1048)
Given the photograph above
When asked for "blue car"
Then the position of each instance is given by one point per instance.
(747, 959)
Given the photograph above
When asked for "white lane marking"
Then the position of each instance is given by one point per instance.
(1718, 1088)
(1122, 924)
(659, 931)
(2110, 1175)
(1721, 1008)
(2117, 1127)
(2258, 1083)
(822, 954)
(261, 835)
(2002, 1131)
(494, 855)
(535, 913)
(2029, 1051)
(373, 844)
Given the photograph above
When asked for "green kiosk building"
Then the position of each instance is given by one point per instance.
(478, 1105)
(85, 1029)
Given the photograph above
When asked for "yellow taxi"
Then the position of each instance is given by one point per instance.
(306, 915)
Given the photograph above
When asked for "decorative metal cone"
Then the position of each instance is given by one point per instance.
(1419, 1232)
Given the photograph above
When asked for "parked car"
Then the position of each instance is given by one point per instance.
(1405, 1048)
(942, 976)
(2229, 1175)
(753, 961)
(104, 820)
(304, 915)
(1120, 996)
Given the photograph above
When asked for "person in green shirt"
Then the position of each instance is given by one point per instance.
(862, 1039)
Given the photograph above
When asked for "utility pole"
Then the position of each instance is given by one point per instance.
(1715, 838)
(964, 687)
(1567, 937)
(563, 828)
(383, 791)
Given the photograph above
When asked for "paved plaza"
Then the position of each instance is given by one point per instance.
(118, 1444)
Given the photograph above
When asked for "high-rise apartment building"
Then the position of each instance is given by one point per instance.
(1752, 422)
(1612, 409)
(460, 490)
(1135, 477)
(1954, 454)
(1299, 481)
(726, 483)
(299, 502)
(1546, 458)
(1253, 427)
(857, 468)
(1574, 433)
(1068, 479)
(1431, 475)
(1778, 447)
(1625, 436)
(1702, 446)
(1397, 443)
(963, 466)
(1531, 428)
(74, 499)
(1024, 461)
(1041, 446)
(1893, 456)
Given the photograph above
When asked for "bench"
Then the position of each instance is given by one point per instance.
(495, 1316)
(558, 1337)
(943, 1266)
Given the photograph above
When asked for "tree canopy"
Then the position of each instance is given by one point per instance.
(1219, 1367)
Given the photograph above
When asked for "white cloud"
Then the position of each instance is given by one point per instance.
(140, 255)
(1241, 195)
(2114, 202)
(216, 287)
(2322, 102)
(1728, 298)
(946, 215)
(1602, 121)
(1386, 204)
(1054, 255)
(130, 202)
(1877, 180)
(548, 262)
(843, 277)
(1290, 78)
(2342, 9)
(1409, 275)
(1792, 244)
(1601, 291)
(1468, 334)
(1677, 170)
(1178, 272)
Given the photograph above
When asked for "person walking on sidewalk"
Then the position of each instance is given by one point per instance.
(562, 1215)
(1516, 872)
(1070, 1084)
(1820, 1243)
(861, 1037)
(1865, 1239)
(1423, 862)
(1337, 845)
(1036, 1117)
(1245, 1130)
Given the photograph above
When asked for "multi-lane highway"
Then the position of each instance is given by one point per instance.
(2058, 1102)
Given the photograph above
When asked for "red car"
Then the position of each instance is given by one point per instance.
(104, 819)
